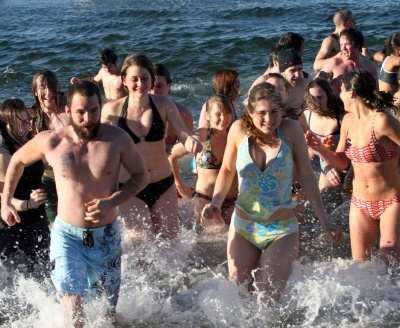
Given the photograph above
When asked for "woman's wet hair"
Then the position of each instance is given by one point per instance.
(224, 80)
(140, 60)
(42, 78)
(222, 101)
(48, 78)
(334, 103)
(364, 85)
(11, 111)
(262, 91)
(391, 42)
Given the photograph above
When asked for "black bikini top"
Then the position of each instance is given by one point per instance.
(157, 129)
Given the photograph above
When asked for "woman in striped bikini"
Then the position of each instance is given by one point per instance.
(369, 139)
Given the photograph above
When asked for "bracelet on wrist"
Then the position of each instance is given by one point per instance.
(27, 204)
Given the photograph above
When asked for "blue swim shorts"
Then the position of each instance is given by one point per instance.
(262, 234)
(86, 261)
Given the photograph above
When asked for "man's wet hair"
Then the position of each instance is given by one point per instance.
(162, 70)
(354, 36)
(84, 88)
(108, 57)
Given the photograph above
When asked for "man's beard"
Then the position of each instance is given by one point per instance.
(86, 134)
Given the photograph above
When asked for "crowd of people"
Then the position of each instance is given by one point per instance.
(71, 168)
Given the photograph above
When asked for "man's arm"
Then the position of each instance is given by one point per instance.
(323, 53)
(94, 79)
(174, 119)
(327, 70)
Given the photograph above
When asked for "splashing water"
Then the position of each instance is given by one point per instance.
(186, 284)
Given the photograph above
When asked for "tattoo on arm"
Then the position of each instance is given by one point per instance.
(68, 160)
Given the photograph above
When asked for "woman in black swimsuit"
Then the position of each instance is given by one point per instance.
(143, 116)
(31, 237)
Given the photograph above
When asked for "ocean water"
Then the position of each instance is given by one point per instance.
(186, 284)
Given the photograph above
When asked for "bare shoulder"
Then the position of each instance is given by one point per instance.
(112, 110)
(258, 80)
(49, 139)
(384, 121)
(328, 42)
(183, 110)
(237, 130)
(291, 127)
(303, 82)
(114, 133)
(162, 102)
(346, 120)
(369, 65)
(332, 63)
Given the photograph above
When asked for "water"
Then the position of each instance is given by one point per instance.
(186, 285)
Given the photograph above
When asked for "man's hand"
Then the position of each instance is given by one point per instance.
(97, 210)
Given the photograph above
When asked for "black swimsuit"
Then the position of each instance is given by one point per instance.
(157, 129)
(335, 37)
(153, 191)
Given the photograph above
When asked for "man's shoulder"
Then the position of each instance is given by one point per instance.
(368, 64)
(182, 108)
(109, 132)
(303, 82)
(50, 138)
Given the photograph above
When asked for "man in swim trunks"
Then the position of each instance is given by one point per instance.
(350, 58)
(86, 158)
(162, 86)
(109, 75)
(330, 46)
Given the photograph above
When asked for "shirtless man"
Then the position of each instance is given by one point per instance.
(330, 46)
(86, 158)
(290, 66)
(109, 74)
(350, 58)
(295, 41)
(287, 40)
(162, 86)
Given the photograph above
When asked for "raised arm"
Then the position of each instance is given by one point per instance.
(323, 53)
(94, 79)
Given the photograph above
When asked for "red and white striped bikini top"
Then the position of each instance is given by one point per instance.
(371, 153)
